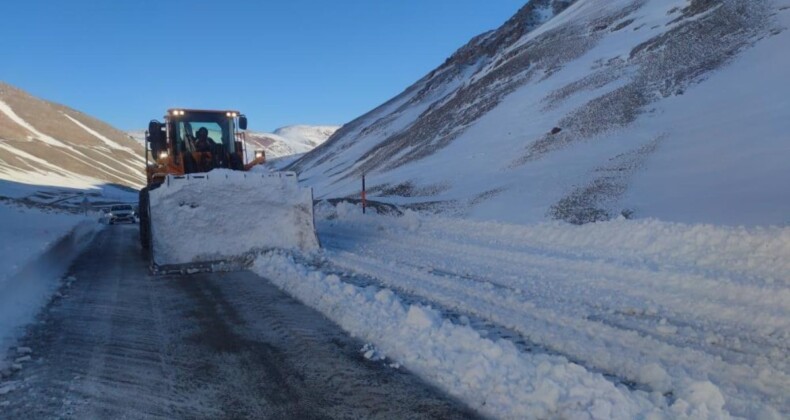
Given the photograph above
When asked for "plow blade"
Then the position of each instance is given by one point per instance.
(222, 219)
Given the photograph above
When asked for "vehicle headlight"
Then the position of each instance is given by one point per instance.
(259, 154)
(163, 155)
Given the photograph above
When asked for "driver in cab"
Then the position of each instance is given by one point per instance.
(203, 142)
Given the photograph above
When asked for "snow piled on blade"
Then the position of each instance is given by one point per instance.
(225, 214)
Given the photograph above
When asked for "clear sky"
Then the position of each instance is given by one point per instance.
(281, 62)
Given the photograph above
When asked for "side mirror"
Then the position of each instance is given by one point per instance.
(154, 131)
(243, 122)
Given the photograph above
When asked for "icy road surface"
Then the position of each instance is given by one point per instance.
(123, 344)
(620, 319)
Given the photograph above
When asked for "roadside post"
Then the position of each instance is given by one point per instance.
(364, 197)
(86, 205)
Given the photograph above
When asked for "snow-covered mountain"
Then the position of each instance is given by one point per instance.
(289, 140)
(45, 143)
(584, 110)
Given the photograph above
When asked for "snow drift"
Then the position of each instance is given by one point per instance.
(687, 320)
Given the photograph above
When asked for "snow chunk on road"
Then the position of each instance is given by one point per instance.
(699, 400)
(422, 318)
(7, 387)
(656, 377)
(23, 359)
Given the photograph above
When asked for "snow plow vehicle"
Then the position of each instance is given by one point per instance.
(206, 206)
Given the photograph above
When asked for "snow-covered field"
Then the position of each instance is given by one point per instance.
(36, 247)
(608, 320)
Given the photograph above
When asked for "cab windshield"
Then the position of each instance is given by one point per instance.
(220, 131)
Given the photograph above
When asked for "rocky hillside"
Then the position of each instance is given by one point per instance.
(45, 143)
(587, 110)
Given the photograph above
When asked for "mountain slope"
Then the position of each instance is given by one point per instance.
(585, 110)
(46, 143)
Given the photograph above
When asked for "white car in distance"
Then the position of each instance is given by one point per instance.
(121, 213)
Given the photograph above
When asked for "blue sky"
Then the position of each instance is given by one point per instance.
(280, 62)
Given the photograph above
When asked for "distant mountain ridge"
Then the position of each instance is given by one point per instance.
(289, 140)
(45, 143)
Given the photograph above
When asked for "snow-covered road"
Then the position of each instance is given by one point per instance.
(116, 342)
(688, 320)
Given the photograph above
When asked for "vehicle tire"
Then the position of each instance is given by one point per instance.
(145, 220)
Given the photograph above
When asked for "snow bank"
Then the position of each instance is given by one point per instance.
(492, 376)
(225, 214)
(760, 252)
(657, 304)
(35, 249)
